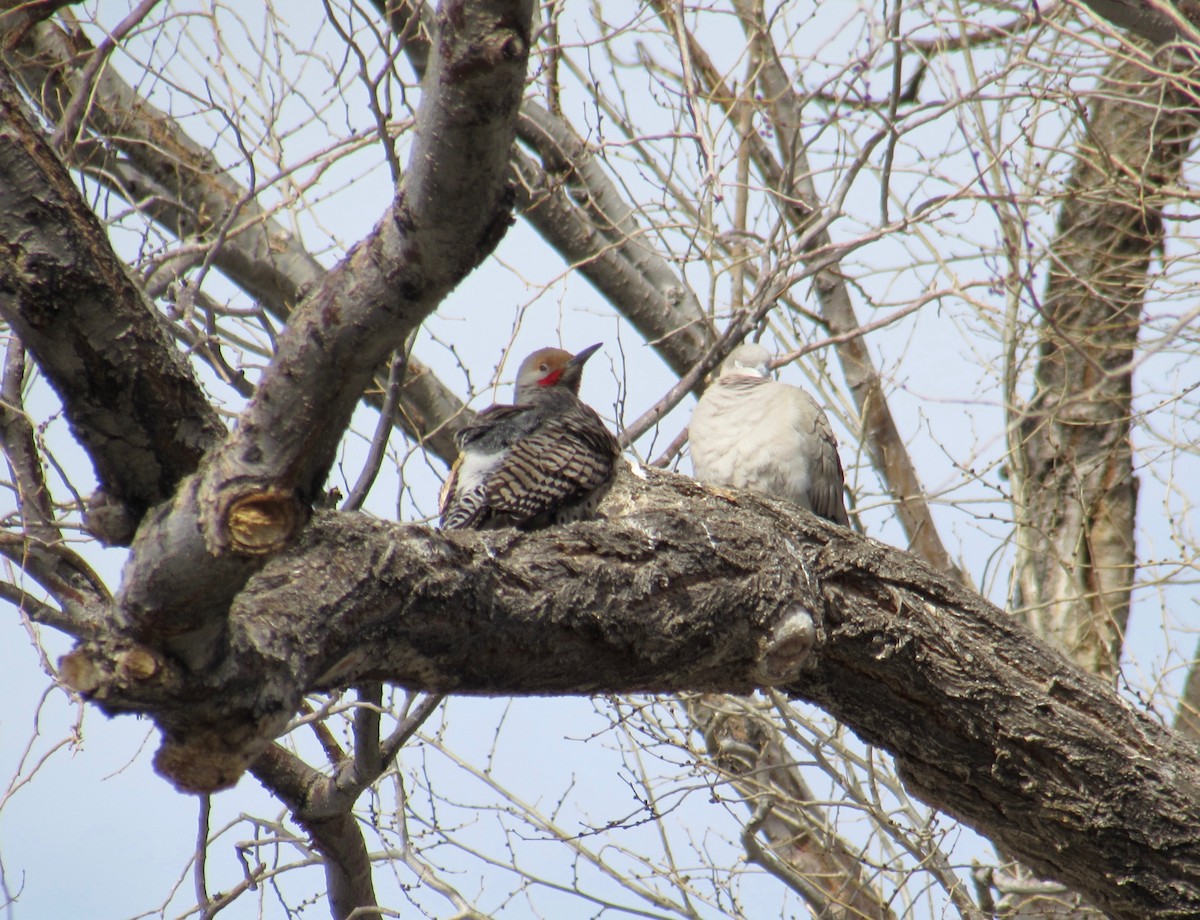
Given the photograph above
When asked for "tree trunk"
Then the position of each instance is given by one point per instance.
(1075, 489)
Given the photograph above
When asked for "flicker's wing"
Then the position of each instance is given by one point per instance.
(564, 460)
(497, 427)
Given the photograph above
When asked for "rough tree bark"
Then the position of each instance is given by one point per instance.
(129, 396)
(566, 196)
(191, 557)
(150, 161)
(686, 589)
(193, 553)
(1049, 763)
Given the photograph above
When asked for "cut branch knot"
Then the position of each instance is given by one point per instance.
(259, 522)
(97, 674)
(786, 649)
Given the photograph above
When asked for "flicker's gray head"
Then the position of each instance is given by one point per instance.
(749, 360)
(552, 367)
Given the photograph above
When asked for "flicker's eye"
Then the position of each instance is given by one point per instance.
(543, 367)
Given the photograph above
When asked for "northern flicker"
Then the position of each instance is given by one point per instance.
(546, 459)
(751, 432)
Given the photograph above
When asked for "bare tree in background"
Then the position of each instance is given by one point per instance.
(256, 268)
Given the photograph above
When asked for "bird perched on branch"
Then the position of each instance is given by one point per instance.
(546, 459)
(751, 432)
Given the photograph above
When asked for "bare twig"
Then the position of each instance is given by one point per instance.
(387, 419)
(73, 115)
(201, 860)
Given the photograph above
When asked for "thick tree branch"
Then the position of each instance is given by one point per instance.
(182, 186)
(128, 394)
(156, 165)
(450, 211)
(576, 208)
(686, 589)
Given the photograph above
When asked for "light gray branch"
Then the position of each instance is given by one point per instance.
(575, 208)
(1075, 492)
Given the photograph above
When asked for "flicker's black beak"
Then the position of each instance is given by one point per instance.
(579, 359)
